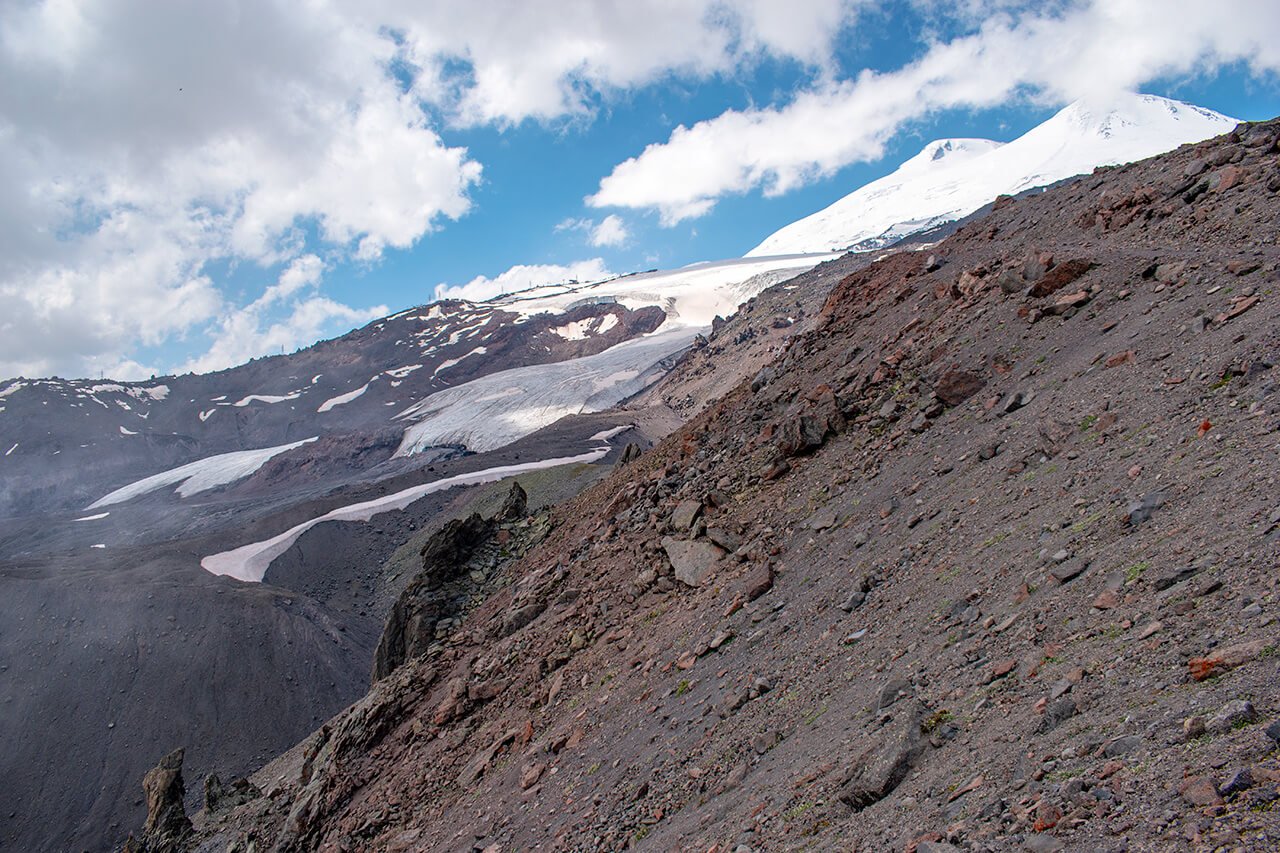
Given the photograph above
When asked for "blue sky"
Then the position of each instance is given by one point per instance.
(193, 188)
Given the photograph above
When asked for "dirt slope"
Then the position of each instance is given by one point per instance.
(986, 560)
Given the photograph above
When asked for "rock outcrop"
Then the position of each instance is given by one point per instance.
(167, 828)
(448, 581)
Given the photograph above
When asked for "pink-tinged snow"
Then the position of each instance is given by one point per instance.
(250, 562)
(580, 330)
(951, 178)
(497, 409)
(342, 399)
(201, 475)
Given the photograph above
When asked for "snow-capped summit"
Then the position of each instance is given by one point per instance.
(951, 178)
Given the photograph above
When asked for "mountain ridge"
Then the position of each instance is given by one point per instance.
(928, 190)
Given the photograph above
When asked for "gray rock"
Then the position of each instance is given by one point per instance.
(1237, 712)
(685, 514)
(1273, 731)
(1069, 570)
(726, 539)
(1042, 843)
(521, 616)
(1172, 577)
(854, 601)
(936, 847)
(1122, 745)
(763, 378)
(822, 520)
(1240, 780)
(1140, 511)
(895, 689)
(886, 759)
(1056, 713)
(691, 561)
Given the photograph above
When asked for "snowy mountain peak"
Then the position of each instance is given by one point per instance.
(949, 152)
(951, 178)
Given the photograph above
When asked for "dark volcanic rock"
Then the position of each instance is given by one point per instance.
(224, 796)
(882, 766)
(411, 626)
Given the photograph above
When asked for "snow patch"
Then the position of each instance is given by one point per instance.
(124, 431)
(250, 562)
(201, 475)
(450, 362)
(267, 398)
(11, 449)
(94, 517)
(402, 372)
(342, 399)
(606, 434)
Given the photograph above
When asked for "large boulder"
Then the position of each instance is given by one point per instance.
(692, 561)
(889, 755)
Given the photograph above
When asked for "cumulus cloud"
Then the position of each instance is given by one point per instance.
(523, 277)
(289, 315)
(143, 143)
(610, 231)
(1076, 50)
(519, 60)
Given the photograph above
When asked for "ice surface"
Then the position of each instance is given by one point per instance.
(497, 409)
(201, 475)
(250, 562)
(951, 178)
(692, 296)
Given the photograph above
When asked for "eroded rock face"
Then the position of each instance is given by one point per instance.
(167, 828)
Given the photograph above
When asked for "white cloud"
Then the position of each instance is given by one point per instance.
(141, 142)
(610, 231)
(528, 60)
(1078, 50)
(263, 328)
(523, 277)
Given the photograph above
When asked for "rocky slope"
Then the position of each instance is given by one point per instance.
(985, 560)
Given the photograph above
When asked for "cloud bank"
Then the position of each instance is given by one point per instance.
(1079, 50)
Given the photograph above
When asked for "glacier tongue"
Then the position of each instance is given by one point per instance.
(951, 178)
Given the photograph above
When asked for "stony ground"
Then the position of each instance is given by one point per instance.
(986, 559)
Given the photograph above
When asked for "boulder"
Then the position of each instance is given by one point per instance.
(956, 386)
(686, 514)
(692, 561)
(891, 754)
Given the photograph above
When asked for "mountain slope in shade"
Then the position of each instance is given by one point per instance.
(951, 178)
